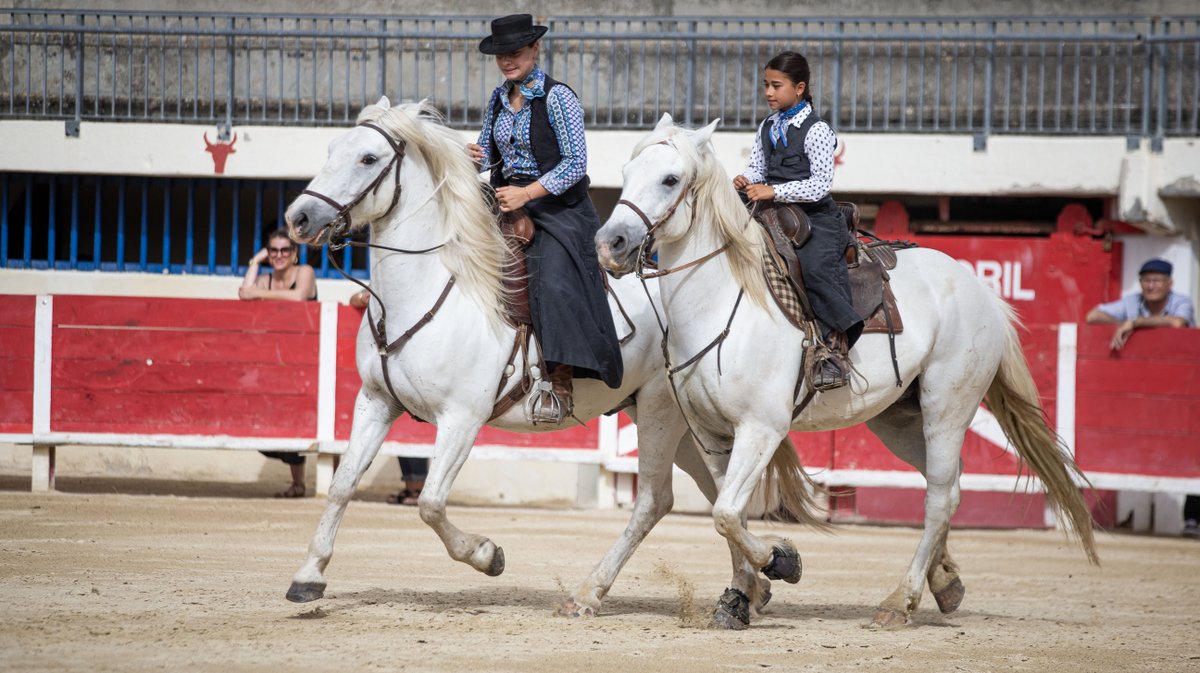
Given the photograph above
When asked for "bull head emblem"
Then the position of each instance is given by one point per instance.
(220, 152)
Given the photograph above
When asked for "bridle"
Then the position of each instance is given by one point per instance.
(643, 257)
(647, 245)
(340, 238)
(341, 222)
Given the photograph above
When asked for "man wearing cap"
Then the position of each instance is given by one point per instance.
(533, 143)
(1155, 306)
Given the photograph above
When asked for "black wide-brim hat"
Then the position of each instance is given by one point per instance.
(510, 33)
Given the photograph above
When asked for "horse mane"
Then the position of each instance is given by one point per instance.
(720, 204)
(475, 252)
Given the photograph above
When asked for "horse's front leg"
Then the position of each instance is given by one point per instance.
(753, 447)
(372, 418)
(454, 440)
(660, 436)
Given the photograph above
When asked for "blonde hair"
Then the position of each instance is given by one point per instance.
(719, 202)
(475, 252)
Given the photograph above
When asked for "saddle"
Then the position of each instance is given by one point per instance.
(517, 228)
(868, 263)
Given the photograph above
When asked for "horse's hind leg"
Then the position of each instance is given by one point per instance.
(372, 418)
(934, 448)
(660, 440)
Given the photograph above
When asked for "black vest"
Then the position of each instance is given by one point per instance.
(789, 164)
(543, 142)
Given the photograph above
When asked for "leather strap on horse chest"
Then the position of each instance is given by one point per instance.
(379, 334)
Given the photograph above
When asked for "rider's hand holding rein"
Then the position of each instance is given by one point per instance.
(753, 191)
(475, 151)
(511, 198)
(760, 192)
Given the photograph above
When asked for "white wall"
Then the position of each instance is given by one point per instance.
(869, 163)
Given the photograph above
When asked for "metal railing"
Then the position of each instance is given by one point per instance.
(1132, 76)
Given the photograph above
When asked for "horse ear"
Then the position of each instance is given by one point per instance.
(664, 121)
(384, 103)
(701, 136)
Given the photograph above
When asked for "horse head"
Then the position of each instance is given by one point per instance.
(657, 182)
(358, 184)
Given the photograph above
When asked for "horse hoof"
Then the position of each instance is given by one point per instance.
(732, 612)
(764, 598)
(887, 620)
(949, 598)
(305, 592)
(572, 609)
(497, 565)
(785, 564)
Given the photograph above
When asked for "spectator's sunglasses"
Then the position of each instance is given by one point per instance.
(280, 251)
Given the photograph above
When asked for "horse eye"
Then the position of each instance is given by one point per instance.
(671, 180)
(369, 159)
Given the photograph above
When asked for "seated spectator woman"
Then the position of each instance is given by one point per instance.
(288, 281)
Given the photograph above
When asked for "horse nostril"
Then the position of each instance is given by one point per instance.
(618, 244)
(300, 220)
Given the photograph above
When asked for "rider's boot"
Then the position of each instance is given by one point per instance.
(834, 369)
(556, 405)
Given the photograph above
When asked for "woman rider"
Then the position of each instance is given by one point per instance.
(533, 143)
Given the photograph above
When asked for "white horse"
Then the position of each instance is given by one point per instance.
(959, 347)
(409, 177)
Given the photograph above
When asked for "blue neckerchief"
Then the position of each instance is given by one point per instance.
(534, 85)
(779, 130)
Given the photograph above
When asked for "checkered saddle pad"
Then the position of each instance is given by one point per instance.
(781, 287)
(869, 297)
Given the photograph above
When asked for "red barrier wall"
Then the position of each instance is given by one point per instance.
(16, 363)
(1138, 409)
(184, 366)
(210, 367)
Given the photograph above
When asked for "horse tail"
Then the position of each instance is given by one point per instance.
(789, 491)
(1013, 399)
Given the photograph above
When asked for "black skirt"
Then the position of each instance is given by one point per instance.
(566, 293)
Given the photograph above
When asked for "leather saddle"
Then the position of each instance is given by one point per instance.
(518, 231)
(517, 228)
(789, 228)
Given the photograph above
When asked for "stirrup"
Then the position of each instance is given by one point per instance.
(545, 406)
(823, 384)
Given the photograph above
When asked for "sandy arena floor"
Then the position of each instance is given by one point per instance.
(97, 582)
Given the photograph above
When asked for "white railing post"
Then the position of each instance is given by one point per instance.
(43, 454)
(1064, 414)
(326, 395)
(606, 481)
